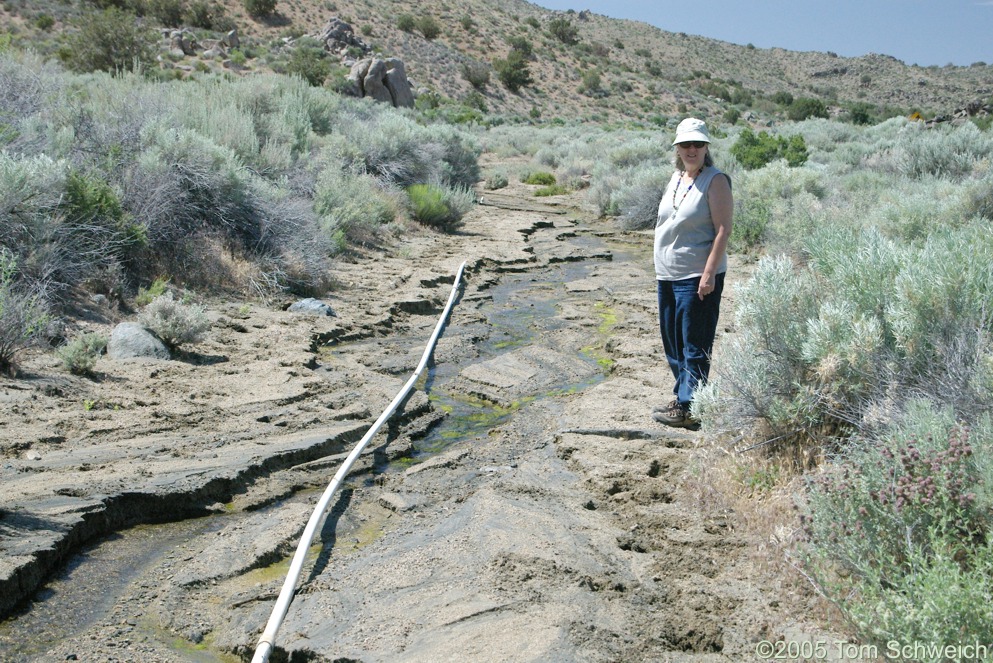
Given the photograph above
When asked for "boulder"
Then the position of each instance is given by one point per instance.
(337, 36)
(130, 340)
(311, 306)
(398, 85)
(374, 83)
(182, 43)
(231, 39)
(383, 80)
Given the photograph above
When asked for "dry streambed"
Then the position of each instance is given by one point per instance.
(524, 506)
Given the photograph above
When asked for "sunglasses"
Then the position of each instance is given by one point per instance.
(692, 143)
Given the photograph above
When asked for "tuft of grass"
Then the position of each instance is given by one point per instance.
(438, 207)
(156, 289)
(553, 190)
(541, 178)
(80, 355)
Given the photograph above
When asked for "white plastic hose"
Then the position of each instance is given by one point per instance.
(268, 639)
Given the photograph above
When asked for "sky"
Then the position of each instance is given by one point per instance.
(922, 32)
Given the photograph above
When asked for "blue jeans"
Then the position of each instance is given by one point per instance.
(688, 328)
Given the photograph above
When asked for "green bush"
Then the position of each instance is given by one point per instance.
(428, 27)
(175, 322)
(476, 73)
(802, 108)
(259, 8)
(209, 16)
(754, 151)
(80, 355)
(406, 22)
(156, 289)
(23, 315)
(591, 82)
(309, 61)
(541, 178)
(167, 12)
(109, 40)
(521, 44)
(553, 190)
(44, 22)
(496, 180)
(783, 98)
(439, 207)
(352, 208)
(563, 30)
(513, 71)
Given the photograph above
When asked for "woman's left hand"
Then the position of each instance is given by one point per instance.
(706, 287)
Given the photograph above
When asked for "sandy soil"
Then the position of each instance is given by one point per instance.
(568, 526)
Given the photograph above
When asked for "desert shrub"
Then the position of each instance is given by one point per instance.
(638, 200)
(167, 12)
(513, 71)
(309, 61)
(80, 355)
(23, 314)
(406, 22)
(496, 180)
(157, 288)
(94, 212)
(564, 30)
(943, 152)
(176, 323)
(109, 40)
(538, 177)
(522, 45)
(183, 183)
(259, 8)
(782, 98)
(552, 190)
(902, 517)
(751, 218)
(428, 27)
(398, 151)
(834, 344)
(755, 151)
(44, 22)
(439, 207)
(352, 207)
(476, 73)
(203, 14)
(762, 381)
(804, 107)
(591, 82)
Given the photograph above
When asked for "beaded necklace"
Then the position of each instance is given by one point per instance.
(675, 205)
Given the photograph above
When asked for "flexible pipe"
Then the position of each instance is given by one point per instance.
(268, 639)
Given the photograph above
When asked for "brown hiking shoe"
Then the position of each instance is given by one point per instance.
(668, 406)
(676, 416)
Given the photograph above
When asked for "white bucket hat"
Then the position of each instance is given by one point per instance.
(691, 129)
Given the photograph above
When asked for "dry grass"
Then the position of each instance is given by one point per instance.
(756, 496)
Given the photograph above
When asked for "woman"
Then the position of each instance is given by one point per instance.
(691, 237)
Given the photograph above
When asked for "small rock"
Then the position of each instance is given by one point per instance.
(311, 306)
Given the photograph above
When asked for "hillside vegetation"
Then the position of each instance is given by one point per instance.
(581, 66)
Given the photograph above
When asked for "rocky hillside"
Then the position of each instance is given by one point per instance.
(584, 66)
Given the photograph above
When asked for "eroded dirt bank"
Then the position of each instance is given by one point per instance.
(559, 530)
